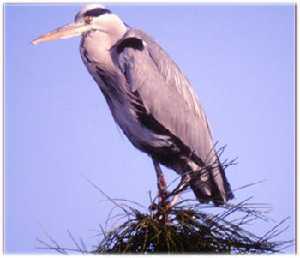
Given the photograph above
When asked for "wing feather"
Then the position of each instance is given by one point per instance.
(165, 91)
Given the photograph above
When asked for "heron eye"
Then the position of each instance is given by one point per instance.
(88, 19)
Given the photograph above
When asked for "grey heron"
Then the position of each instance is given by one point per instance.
(149, 98)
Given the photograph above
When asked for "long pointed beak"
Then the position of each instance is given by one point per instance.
(67, 31)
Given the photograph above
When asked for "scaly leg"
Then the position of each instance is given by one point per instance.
(185, 180)
(161, 182)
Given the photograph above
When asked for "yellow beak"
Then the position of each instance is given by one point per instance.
(67, 31)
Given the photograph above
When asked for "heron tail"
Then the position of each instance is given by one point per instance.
(210, 184)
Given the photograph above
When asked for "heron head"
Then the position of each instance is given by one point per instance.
(90, 17)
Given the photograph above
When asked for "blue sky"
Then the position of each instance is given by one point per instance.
(58, 128)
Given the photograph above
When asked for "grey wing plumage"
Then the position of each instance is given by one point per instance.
(166, 95)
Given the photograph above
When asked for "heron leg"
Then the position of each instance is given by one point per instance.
(161, 182)
(185, 180)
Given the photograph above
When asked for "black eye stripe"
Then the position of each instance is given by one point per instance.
(96, 12)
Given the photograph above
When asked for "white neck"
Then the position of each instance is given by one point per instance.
(111, 25)
(98, 42)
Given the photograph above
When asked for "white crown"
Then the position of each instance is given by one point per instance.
(87, 7)
(91, 6)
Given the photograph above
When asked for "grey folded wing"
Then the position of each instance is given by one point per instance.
(164, 90)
